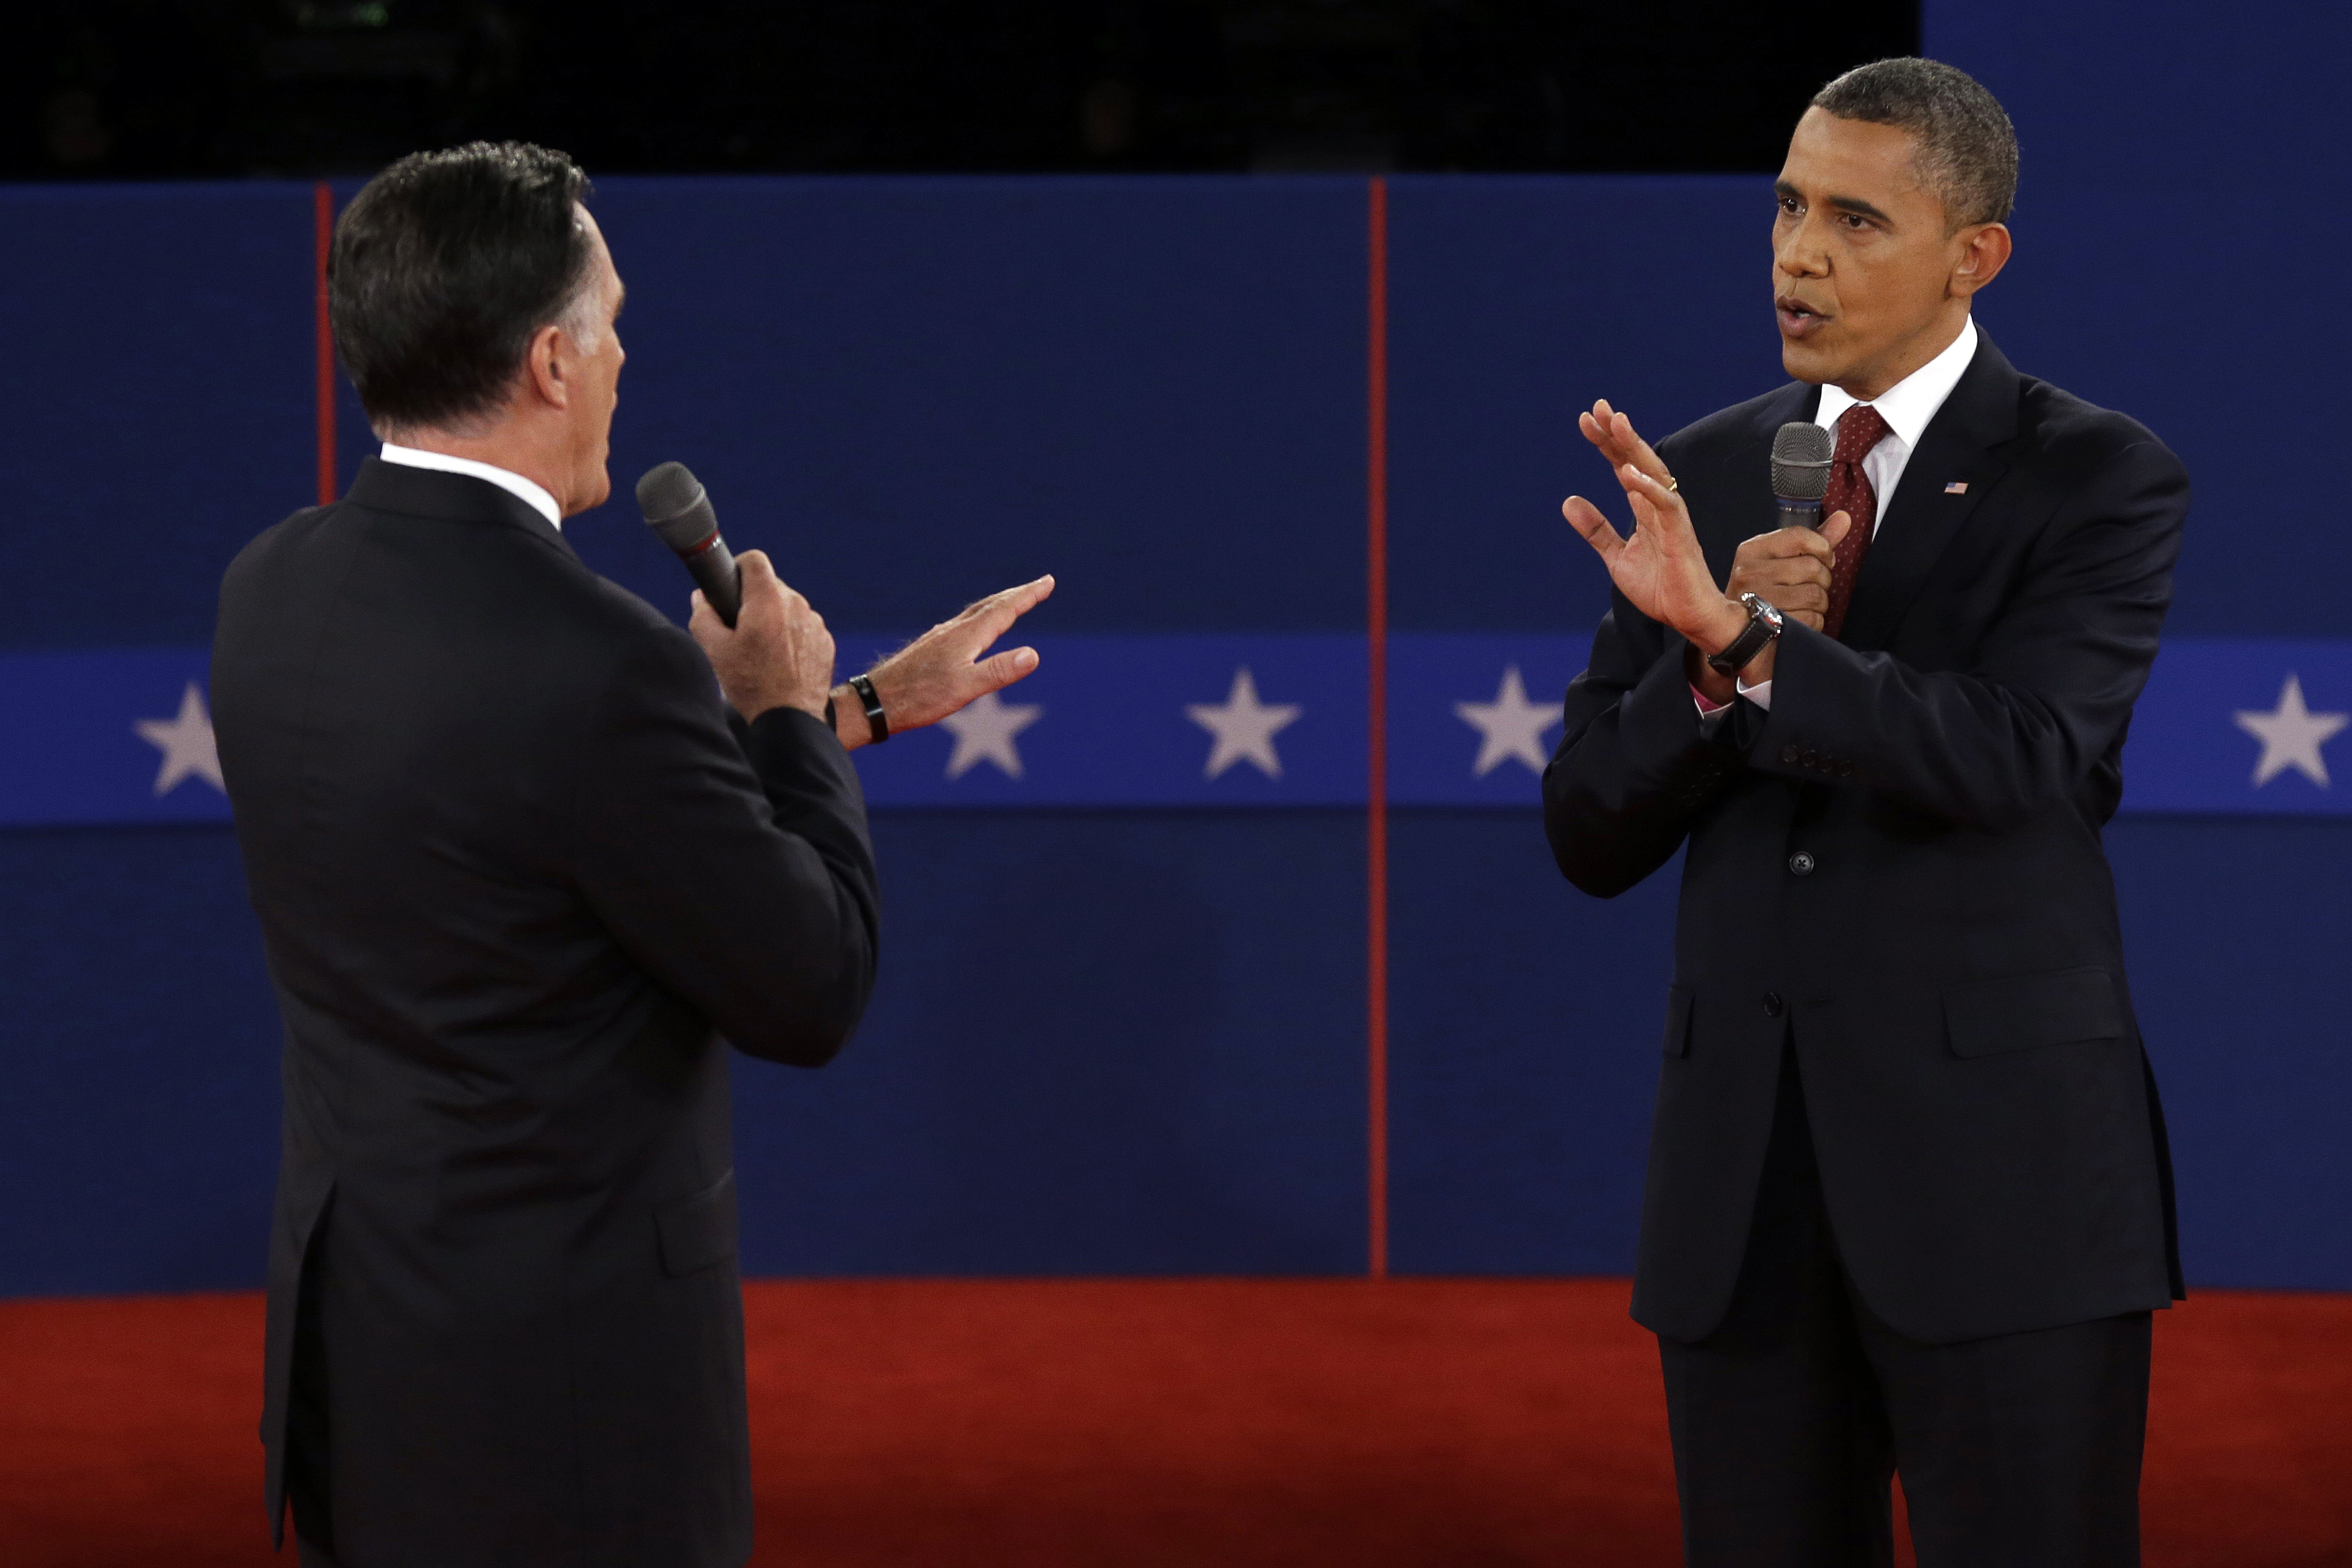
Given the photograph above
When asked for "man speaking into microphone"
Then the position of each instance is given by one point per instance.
(518, 868)
(1909, 1204)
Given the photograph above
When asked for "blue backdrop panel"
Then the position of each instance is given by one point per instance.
(913, 391)
(2236, 935)
(139, 1129)
(1526, 1022)
(1164, 720)
(2177, 259)
(1524, 1027)
(1515, 303)
(917, 391)
(2179, 256)
(158, 380)
(2232, 726)
(1126, 1044)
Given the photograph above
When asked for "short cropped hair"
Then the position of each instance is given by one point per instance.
(1967, 147)
(443, 269)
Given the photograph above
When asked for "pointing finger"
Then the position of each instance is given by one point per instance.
(1020, 601)
(993, 615)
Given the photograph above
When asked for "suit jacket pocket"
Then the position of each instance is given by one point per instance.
(2024, 1011)
(1678, 1020)
(698, 1231)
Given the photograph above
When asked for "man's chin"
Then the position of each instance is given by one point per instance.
(1804, 359)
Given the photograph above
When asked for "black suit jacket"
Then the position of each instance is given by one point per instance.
(1899, 868)
(513, 870)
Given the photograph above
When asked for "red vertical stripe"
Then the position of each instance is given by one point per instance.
(322, 208)
(1377, 623)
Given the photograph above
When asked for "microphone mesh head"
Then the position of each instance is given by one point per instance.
(667, 490)
(1801, 461)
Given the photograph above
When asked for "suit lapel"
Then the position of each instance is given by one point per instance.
(1958, 448)
(1731, 497)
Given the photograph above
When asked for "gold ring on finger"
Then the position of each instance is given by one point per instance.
(1673, 483)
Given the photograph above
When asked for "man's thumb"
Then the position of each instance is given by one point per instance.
(1835, 529)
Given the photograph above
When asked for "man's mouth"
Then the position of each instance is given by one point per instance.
(1798, 318)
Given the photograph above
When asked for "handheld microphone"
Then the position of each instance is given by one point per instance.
(677, 509)
(1800, 472)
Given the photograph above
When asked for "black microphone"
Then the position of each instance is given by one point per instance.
(1800, 472)
(677, 509)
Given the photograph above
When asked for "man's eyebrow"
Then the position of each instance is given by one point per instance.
(1787, 191)
(1857, 205)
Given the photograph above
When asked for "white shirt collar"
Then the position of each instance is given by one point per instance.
(506, 479)
(1911, 403)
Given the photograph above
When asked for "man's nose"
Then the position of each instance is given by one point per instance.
(1800, 254)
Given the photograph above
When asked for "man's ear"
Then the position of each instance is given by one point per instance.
(1984, 251)
(548, 368)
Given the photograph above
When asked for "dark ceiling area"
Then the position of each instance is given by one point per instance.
(215, 88)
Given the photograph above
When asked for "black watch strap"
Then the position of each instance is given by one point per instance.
(1763, 625)
(874, 720)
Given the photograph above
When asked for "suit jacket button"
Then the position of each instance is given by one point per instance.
(1846, 768)
(1812, 759)
(1788, 753)
(1802, 863)
(1773, 1006)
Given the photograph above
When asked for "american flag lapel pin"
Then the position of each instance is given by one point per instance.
(1956, 487)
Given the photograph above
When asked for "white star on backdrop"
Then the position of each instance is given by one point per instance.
(186, 743)
(1510, 727)
(2291, 735)
(1244, 726)
(983, 732)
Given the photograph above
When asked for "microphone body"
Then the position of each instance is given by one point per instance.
(1800, 472)
(678, 510)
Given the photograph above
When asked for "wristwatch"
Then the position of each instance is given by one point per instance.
(1763, 625)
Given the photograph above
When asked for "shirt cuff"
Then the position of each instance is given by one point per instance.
(1709, 709)
(1759, 694)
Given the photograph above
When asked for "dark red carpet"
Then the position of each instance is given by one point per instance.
(1471, 1425)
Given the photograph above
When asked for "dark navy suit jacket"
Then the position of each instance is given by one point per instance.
(516, 874)
(1896, 872)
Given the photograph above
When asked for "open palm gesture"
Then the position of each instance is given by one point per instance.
(1661, 568)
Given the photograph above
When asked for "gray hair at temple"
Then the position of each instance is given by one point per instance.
(1967, 147)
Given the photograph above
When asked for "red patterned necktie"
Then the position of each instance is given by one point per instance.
(1859, 428)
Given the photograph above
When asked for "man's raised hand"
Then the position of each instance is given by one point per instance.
(940, 671)
(1613, 435)
(1661, 568)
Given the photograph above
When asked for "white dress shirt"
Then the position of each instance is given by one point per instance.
(1906, 406)
(505, 478)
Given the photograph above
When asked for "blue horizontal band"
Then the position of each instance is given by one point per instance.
(2226, 727)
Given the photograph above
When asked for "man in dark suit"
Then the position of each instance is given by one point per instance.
(517, 868)
(1908, 1202)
